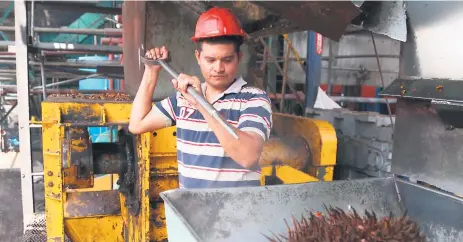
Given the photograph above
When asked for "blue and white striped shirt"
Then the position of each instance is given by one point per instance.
(202, 162)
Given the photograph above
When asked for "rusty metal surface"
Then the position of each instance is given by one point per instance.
(291, 151)
(79, 96)
(425, 148)
(75, 114)
(262, 18)
(88, 204)
(133, 13)
(78, 170)
(129, 177)
(329, 18)
(426, 89)
(106, 158)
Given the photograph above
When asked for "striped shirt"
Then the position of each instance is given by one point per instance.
(202, 162)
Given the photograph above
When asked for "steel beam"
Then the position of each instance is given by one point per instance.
(362, 99)
(66, 82)
(105, 31)
(23, 108)
(79, 47)
(313, 70)
(6, 43)
(78, 64)
(80, 7)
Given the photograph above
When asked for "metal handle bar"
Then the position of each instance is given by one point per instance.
(190, 90)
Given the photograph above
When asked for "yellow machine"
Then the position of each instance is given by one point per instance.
(82, 206)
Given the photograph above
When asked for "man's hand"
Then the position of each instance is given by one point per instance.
(156, 53)
(143, 118)
(183, 82)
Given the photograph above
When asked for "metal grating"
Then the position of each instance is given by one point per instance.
(36, 230)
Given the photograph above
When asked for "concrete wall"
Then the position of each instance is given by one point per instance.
(346, 71)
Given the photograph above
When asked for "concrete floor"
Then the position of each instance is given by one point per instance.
(11, 216)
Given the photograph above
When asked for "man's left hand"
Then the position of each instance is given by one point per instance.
(183, 82)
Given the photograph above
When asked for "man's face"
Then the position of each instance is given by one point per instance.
(219, 64)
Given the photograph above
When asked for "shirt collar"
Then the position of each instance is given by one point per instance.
(235, 87)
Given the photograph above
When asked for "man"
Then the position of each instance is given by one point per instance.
(208, 156)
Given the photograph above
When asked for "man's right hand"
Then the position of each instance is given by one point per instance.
(156, 53)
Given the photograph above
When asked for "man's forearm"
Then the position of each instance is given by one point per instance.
(245, 150)
(142, 103)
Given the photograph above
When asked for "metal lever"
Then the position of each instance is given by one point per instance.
(190, 90)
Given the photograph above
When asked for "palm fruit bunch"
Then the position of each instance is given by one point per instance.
(339, 226)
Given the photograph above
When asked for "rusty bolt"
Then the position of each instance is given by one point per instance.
(50, 184)
(50, 173)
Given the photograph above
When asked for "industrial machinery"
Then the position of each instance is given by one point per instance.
(81, 201)
(427, 147)
(147, 206)
(84, 208)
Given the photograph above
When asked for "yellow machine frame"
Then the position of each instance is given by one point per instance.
(98, 213)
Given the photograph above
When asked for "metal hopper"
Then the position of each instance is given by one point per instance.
(245, 214)
(428, 138)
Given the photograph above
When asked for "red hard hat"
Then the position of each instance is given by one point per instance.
(217, 22)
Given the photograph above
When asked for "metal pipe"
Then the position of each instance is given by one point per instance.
(79, 47)
(111, 81)
(79, 64)
(285, 77)
(8, 71)
(5, 43)
(42, 74)
(338, 98)
(13, 89)
(80, 7)
(32, 18)
(357, 69)
(280, 59)
(362, 99)
(110, 40)
(7, 28)
(361, 56)
(53, 52)
(67, 81)
(104, 31)
(330, 66)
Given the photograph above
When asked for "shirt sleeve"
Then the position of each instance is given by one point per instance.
(167, 108)
(257, 116)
